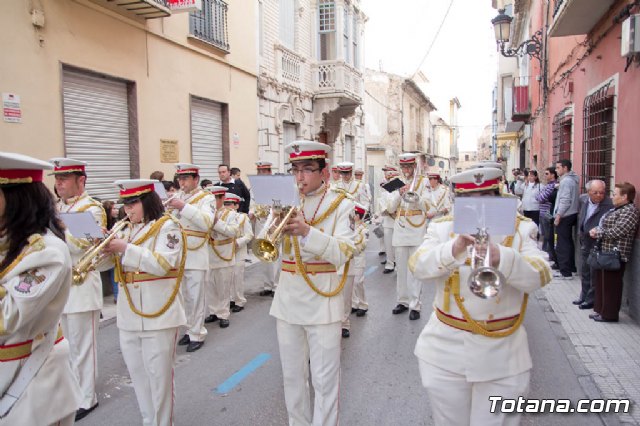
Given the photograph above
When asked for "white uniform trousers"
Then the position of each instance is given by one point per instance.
(388, 248)
(347, 294)
(193, 284)
(272, 274)
(219, 291)
(457, 402)
(81, 330)
(237, 284)
(408, 287)
(319, 344)
(150, 357)
(359, 299)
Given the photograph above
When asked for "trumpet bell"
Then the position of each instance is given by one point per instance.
(411, 197)
(486, 282)
(265, 250)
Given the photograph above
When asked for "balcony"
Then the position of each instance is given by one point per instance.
(289, 67)
(521, 103)
(145, 9)
(209, 25)
(577, 17)
(335, 79)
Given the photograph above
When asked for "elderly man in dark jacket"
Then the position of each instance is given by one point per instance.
(593, 205)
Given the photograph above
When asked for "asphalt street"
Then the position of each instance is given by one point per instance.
(236, 378)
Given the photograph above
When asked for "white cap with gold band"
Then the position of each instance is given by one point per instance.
(20, 169)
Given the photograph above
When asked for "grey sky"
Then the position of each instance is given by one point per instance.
(461, 63)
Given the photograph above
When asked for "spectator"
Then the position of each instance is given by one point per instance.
(238, 188)
(617, 229)
(516, 175)
(171, 187)
(205, 182)
(157, 175)
(112, 210)
(565, 218)
(235, 174)
(547, 199)
(593, 205)
(529, 189)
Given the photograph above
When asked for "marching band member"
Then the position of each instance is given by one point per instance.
(408, 233)
(37, 385)
(245, 236)
(81, 315)
(335, 176)
(439, 197)
(194, 208)
(222, 258)
(388, 220)
(359, 300)
(150, 264)
(495, 359)
(260, 213)
(352, 187)
(366, 190)
(308, 305)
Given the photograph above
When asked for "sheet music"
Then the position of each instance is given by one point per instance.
(267, 188)
(497, 214)
(82, 225)
(159, 188)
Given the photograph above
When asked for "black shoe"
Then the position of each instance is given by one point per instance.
(414, 315)
(84, 412)
(600, 319)
(388, 271)
(194, 346)
(236, 308)
(224, 323)
(399, 309)
(266, 293)
(586, 306)
(555, 266)
(354, 310)
(383, 262)
(184, 340)
(382, 253)
(594, 315)
(361, 312)
(211, 318)
(578, 302)
(345, 333)
(232, 304)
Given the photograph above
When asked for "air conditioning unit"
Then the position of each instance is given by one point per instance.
(630, 43)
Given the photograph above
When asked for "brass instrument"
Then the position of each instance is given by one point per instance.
(176, 195)
(411, 196)
(94, 256)
(484, 280)
(266, 249)
(261, 211)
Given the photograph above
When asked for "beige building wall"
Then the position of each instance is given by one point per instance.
(157, 55)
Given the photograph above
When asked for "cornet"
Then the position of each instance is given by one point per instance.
(266, 249)
(411, 196)
(484, 280)
(176, 195)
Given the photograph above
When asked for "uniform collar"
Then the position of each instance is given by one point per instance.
(75, 199)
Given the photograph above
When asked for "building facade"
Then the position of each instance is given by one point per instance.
(310, 84)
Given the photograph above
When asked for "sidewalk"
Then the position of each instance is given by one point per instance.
(610, 352)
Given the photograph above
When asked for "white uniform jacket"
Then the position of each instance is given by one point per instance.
(88, 295)
(360, 243)
(384, 200)
(151, 270)
(323, 251)
(356, 189)
(196, 218)
(222, 240)
(245, 237)
(410, 224)
(439, 200)
(477, 356)
(32, 296)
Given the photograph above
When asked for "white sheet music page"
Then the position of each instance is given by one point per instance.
(269, 188)
(497, 214)
(82, 225)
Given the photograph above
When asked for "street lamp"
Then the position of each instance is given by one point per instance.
(502, 28)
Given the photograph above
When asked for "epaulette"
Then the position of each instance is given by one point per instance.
(346, 194)
(524, 218)
(447, 218)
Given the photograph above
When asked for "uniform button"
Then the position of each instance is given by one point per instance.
(321, 229)
(461, 299)
(290, 257)
(490, 317)
(39, 337)
(317, 258)
(136, 286)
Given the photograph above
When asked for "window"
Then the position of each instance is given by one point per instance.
(597, 148)
(210, 23)
(346, 36)
(287, 23)
(507, 98)
(354, 38)
(349, 148)
(562, 127)
(327, 30)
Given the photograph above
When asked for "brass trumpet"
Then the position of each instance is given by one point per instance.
(94, 256)
(166, 202)
(484, 280)
(266, 249)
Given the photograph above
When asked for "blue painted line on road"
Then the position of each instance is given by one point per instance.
(370, 270)
(241, 374)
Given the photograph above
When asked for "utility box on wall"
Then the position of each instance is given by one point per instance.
(630, 40)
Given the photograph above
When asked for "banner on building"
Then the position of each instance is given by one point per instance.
(11, 109)
(177, 6)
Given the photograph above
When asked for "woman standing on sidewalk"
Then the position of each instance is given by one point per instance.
(530, 189)
(546, 199)
(617, 229)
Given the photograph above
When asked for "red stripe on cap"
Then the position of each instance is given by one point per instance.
(264, 167)
(471, 186)
(20, 176)
(219, 192)
(188, 171)
(137, 191)
(360, 210)
(304, 154)
(345, 168)
(407, 161)
(69, 169)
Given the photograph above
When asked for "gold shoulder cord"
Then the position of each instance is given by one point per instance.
(204, 240)
(36, 243)
(453, 283)
(153, 232)
(424, 217)
(355, 190)
(215, 250)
